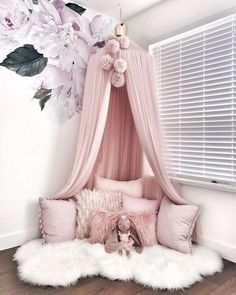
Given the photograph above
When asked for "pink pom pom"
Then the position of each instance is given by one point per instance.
(124, 42)
(118, 79)
(112, 46)
(120, 65)
(107, 62)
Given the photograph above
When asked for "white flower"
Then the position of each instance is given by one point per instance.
(64, 37)
(52, 77)
(101, 27)
(67, 92)
(15, 21)
(59, 42)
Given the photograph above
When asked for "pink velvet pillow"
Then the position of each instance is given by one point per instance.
(57, 220)
(132, 204)
(175, 225)
(103, 221)
(133, 187)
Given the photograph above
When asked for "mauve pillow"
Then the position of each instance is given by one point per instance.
(102, 221)
(175, 225)
(57, 220)
(132, 204)
(132, 187)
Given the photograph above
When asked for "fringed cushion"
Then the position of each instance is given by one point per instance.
(88, 201)
(175, 225)
(57, 220)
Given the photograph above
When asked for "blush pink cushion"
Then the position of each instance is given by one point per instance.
(102, 221)
(57, 220)
(175, 225)
(132, 204)
(133, 187)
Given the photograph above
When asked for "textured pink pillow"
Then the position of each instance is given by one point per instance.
(133, 187)
(88, 201)
(57, 220)
(103, 221)
(132, 204)
(175, 225)
(146, 224)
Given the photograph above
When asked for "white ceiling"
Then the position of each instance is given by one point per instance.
(111, 7)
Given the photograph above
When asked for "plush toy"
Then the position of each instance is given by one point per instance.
(123, 236)
(125, 241)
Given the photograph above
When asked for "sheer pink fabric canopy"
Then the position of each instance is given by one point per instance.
(119, 126)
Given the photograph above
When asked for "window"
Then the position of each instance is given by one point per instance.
(196, 88)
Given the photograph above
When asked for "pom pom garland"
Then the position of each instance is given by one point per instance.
(124, 42)
(120, 65)
(112, 46)
(107, 62)
(118, 79)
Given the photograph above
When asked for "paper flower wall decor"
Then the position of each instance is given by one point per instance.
(54, 41)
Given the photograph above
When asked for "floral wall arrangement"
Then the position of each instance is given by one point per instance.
(54, 41)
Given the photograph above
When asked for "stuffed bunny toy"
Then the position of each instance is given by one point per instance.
(122, 237)
(125, 241)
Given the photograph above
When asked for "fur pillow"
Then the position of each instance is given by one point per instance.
(103, 221)
(88, 201)
(132, 187)
(57, 220)
(175, 225)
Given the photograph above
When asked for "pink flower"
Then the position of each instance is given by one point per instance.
(124, 42)
(107, 62)
(118, 79)
(120, 65)
(112, 46)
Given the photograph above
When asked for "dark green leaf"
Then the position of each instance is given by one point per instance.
(100, 44)
(43, 95)
(25, 61)
(79, 9)
(43, 101)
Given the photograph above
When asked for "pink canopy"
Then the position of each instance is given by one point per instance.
(119, 126)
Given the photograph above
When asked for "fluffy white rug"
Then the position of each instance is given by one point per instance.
(63, 264)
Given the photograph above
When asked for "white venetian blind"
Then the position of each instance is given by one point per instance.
(196, 85)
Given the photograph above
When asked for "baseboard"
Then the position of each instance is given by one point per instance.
(226, 251)
(18, 238)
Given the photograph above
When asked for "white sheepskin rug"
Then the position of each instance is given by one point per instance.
(63, 264)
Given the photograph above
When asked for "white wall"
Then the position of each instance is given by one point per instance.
(217, 226)
(171, 17)
(36, 157)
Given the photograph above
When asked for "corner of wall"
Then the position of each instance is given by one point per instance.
(17, 238)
